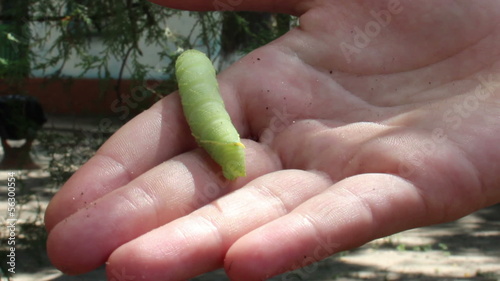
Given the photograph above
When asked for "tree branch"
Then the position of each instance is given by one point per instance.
(120, 75)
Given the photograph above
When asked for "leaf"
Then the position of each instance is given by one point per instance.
(12, 37)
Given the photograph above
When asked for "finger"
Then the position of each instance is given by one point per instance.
(197, 243)
(275, 6)
(157, 134)
(348, 214)
(166, 192)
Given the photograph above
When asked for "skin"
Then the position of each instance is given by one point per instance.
(338, 153)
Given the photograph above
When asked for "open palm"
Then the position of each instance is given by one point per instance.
(370, 118)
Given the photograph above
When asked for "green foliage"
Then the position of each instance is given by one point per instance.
(246, 31)
(12, 45)
(66, 29)
(120, 26)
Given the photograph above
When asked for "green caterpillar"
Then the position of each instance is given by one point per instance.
(206, 115)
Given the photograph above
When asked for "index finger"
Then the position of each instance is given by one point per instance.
(152, 137)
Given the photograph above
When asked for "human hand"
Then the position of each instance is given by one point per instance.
(371, 118)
